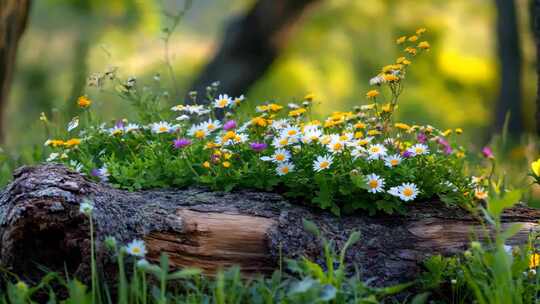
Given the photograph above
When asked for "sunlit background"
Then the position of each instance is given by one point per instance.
(333, 52)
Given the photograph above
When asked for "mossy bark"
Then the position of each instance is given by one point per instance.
(40, 224)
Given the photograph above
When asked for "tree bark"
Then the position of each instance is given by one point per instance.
(509, 99)
(251, 44)
(40, 224)
(13, 19)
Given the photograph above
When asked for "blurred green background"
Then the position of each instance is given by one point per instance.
(333, 52)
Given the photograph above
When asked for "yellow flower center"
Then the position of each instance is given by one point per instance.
(373, 184)
(136, 250)
(285, 170)
(291, 132)
(280, 157)
(408, 192)
(324, 164)
(375, 150)
(419, 150)
(211, 127)
(222, 103)
(338, 146)
(284, 141)
(199, 134)
(163, 129)
(394, 162)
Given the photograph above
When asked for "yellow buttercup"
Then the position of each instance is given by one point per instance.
(535, 166)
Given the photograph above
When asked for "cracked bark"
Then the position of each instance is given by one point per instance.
(40, 224)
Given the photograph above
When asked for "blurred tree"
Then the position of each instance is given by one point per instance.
(535, 23)
(13, 20)
(509, 51)
(251, 44)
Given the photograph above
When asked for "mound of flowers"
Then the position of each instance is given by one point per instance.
(361, 159)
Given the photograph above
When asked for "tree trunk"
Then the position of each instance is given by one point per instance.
(13, 19)
(40, 224)
(535, 22)
(509, 52)
(251, 44)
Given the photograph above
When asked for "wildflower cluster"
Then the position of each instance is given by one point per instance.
(361, 159)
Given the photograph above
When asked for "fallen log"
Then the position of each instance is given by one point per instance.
(40, 224)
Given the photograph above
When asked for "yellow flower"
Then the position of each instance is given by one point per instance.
(259, 121)
(401, 39)
(309, 97)
(84, 102)
(459, 131)
(410, 50)
(387, 108)
(358, 134)
(413, 38)
(534, 260)
(390, 77)
(535, 166)
(424, 45)
(420, 31)
(274, 107)
(54, 142)
(446, 132)
(374, 132)
(460, 154)
(360, 125)
(403, 60)
(226, 164)
(298, 112)
(402, 126)
(72, 142)
(372, 94)
(206, 164)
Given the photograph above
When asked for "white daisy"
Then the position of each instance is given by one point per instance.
(73, 124)
(290, 131)
(322, 163)
(311, 134)
(52, 156)
(211, 125)
(392, 160)
(284, 168)
(183, 117)
(239, 100)
(116, 130)
(136, 248)
(279, 124)
(281, 156)
(161, 127)
(418, 149)
(375, 183)
(198, 131)
(480, 193)
(222, 101)
(336, 145)
(376, 151)
(408, 191)
(280, 142)
(358, 152)
(394, 191)
(131, 127)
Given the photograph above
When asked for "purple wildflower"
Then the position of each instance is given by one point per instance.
(421, 137)
(407, 154)
(488, 153)
(231, 124)
(181, 143)
(258, 147)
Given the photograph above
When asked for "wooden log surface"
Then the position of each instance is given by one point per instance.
(40, 224)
